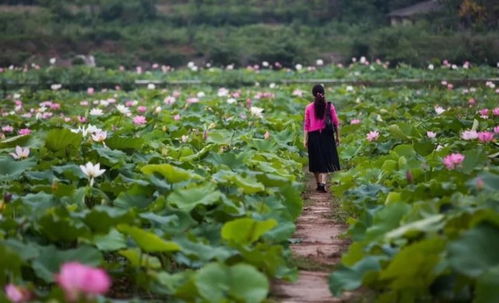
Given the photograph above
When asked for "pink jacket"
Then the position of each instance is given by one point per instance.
(312, 123)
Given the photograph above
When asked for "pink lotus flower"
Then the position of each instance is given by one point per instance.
(453, 160)
(169, 100)
(298, 93)
(139, 120)
(90, 90)
(130, 103)
(495, 111)
(55, 106)
(78, 279)
(176, 93)
(485, 136)
(484, 113)
(355, 121)
(84, 103)
(7, 129)
(81, 119)
(141, 109)
(469, 134)
(496, 129)
(266, 136)
(471, 101)
(192, 100)
(17, 294)
(431, 134)
(372, 136)
(176, 117)
(24, 131)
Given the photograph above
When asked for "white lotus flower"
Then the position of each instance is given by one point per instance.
(231, 100)
(151, 86)
(431, 67)
(90, 129)
(96, 112)
(256, 111)
(319, 62)
(52, 61)
(104, 102)
(99, 136)
(265, 64)
(123, 109)
(55, 86)
(21, 153)
(92, 171)
(200, 94)
(298, 66)
(439, 110)
(431, 134)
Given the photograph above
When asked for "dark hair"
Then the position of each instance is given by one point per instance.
(320, 101)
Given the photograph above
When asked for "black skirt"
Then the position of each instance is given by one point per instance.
(322, 153)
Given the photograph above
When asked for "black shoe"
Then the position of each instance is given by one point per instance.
(322, 188)
(318, 186)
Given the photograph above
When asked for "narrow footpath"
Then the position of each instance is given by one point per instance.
(318, 249)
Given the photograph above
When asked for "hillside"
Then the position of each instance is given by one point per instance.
(142, 32)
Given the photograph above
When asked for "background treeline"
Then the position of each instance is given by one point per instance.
(243, 32)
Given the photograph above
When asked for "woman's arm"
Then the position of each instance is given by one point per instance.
(337, 131)
(306, 127)
(336, 123)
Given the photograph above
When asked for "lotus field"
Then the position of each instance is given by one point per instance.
(190, 193)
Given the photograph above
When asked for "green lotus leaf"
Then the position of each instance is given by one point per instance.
(50, 259)
(10, 169)
(246, 230)
(125, 143)
(148, 241)
(350, 278)
(171, 173)
(62, 141)
(475, 252)
(137, 260)
(188, 198)
(218, 282)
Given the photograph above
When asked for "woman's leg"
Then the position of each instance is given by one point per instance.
(324, 178)
(317, 177)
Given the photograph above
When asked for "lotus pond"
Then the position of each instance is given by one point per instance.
(189, 194)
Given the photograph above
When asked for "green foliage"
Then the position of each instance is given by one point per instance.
(179, 204)
(420, 231)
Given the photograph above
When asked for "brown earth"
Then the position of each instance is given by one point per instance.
(318, 250)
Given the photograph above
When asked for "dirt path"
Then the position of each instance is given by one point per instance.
(318, 249)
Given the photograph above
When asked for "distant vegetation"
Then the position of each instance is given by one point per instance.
(143, 32)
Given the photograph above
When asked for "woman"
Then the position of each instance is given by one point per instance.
(320, 142)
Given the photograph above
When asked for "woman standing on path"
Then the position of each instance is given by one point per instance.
(320, 141)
